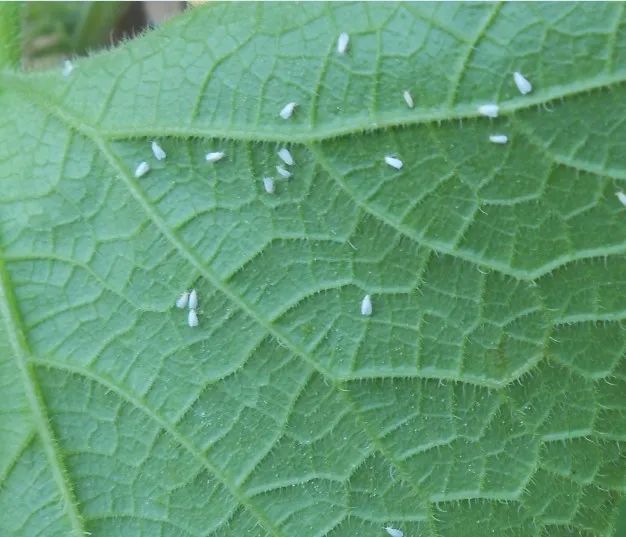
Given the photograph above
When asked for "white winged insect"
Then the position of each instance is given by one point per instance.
(193, 299)
(214, 156)
(366, 306)
(342, 42)
(394, 162)
(408, 98)
(394, 532)
(285, 156)
(268, 185)
(283, 172)
(157, 151)
(183, 300)
(522, 83)
(489, 110)
(142, 169)
(287, 110)
(192, 319)
(499, 138)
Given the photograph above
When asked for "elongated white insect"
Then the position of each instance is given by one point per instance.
(193, 300)
(287, 110)
(157, 151)
(522, 83)
(366, 305)
(68, 67)
(408, 98)
(394, 532)
(622, 197)
(268, 184)
(342, 42)
(285, 156)
(499, 138)
(142, 169)
(394, 162)
(214, 156)
(283, 172)
(489, 110)
(192, 318)
(182, 301)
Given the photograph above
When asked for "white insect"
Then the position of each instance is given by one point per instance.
(182, 301)
(192, 318)
(268, 184)
(394, 532)
(68, 67)
(394, 162)
(287, 110)
(366, 305)
(408, 98)
(489, 110)
(142, 169)
(499, 138)
(622, 197)
(283, 172)
(214, 156)
(157, 151)
(342, 42)
(285, 156)
(193, 300)
(522, 83)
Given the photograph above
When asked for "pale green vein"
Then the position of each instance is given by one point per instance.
(17, 339)
(461, 69)
(566, 160)
(101, 141)
(349, 125)
(171, 431)
(462, 253)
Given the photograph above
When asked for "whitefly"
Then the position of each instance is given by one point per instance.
(342, 42)
(489, 110)
(157, 151)
(408, 98)
(285, 156)
(142, 169)
(499, 138)
(523, 84)
(394, 532)
(394, 162)
(287, 110)
(283, 172)
(193, 299)
(268, 185)
(366, 305)
(214, 156)
(183, 300)
(192, 318)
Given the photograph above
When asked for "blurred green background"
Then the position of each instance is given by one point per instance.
(54, 31)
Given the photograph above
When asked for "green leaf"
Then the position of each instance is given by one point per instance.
(485, 394)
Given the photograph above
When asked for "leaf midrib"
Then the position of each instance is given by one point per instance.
(41, 422)
(171, 430)
(351, 126)
(312, 144)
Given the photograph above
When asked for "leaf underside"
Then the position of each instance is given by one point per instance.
(485, 394)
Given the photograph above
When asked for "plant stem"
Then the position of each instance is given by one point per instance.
(10, 34)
